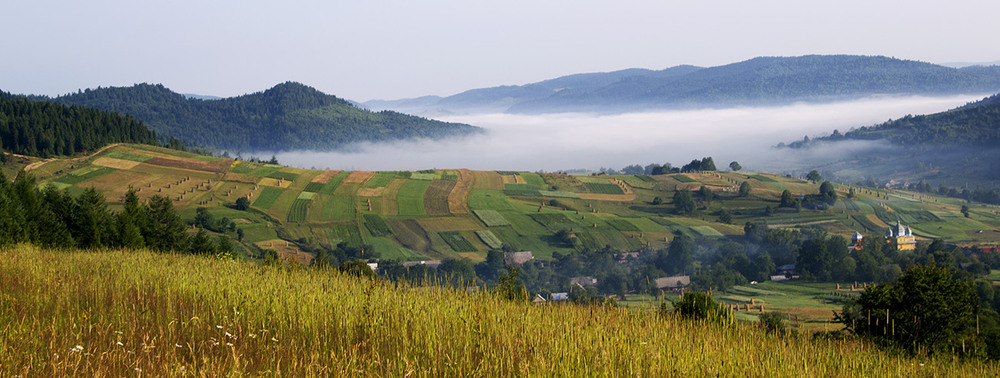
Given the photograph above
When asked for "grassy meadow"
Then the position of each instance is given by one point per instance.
(127, 313)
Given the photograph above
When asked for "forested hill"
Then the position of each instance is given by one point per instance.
(39, 128)
(289, 116)
(758, 81)
(975, 124)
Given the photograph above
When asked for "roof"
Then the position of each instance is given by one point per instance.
(517, 258)
(672, 282)
(583, 281)
(428, 263)
(560, 296)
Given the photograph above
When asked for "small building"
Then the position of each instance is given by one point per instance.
(538, 299)
(901, 237)
(427, 263)
(560, 296)
(373, 266)
(517, 258)
(855, 242)
(673, 283)
(583, 281)
(787, 269)
(779, 277)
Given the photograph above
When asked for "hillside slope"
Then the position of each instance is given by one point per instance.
(758, 81)
(956, 147)
(289, 116)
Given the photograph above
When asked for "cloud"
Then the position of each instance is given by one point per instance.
(569, 141)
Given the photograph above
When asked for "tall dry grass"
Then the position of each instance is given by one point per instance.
(122, 313)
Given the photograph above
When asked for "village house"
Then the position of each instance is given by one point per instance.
(673, 283)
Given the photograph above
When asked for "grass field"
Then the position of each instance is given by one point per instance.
(457, 242)
(113, 313)
(603, 188)
(489, 239)
(376, 225)
(411, 198)
(347, 233)
(299, 209)
(491, 218)
(339, 208)
(267, 197)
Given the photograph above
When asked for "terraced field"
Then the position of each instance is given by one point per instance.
(462, 213)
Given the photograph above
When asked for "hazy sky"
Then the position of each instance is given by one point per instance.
(391, 49)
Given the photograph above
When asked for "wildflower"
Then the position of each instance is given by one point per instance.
(178, 345)
(120, 343)
(253, 335)
(218, 326)
(274, 339)
(76, 349)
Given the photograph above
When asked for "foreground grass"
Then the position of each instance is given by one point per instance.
(127, 312)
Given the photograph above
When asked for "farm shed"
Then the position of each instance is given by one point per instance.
(517, 258)
(673, 283)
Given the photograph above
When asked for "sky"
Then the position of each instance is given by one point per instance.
(389, 49)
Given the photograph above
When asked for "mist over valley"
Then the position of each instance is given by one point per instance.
(567, 141)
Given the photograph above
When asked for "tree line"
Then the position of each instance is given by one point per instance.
(44, 129)
(54, 218)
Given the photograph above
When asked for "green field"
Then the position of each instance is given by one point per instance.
(314, 187)
(267, 197)
(457, 242)
(298, 211)
(550, 220)
(376, 225)
(127, 156)
(381, 179)
(491, 218)
(347, 233)
(603, 188)
(84, 174)
(489, 239)
(411, 198)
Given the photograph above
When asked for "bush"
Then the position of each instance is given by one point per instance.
(772, 322)
(698, 305)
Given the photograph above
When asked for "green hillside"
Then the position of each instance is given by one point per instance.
(289, 116)
(956, 149)
(415, 216)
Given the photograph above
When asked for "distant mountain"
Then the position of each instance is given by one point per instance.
(759, 81)
(289, 116)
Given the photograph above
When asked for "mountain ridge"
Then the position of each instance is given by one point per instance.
(288, 116)
(754, 82)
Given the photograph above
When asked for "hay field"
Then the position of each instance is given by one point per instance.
(487, 180)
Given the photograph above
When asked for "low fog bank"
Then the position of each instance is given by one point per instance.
(573, 141)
